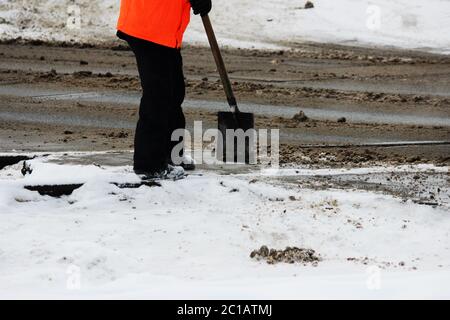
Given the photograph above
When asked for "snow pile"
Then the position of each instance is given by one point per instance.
(412, 24)
(193, 239)
(55, 20)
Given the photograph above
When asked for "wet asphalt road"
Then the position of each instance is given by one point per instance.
(120, 98)
(28, 96)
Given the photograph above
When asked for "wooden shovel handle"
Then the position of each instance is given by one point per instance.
(220, 64)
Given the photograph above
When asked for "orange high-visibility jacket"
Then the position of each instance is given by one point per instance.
(160, 21)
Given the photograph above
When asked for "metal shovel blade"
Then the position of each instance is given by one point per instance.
(236, 145)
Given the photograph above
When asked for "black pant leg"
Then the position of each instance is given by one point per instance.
(156, 70)
(177, 119)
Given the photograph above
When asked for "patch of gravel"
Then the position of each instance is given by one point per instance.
(300, 117)
(289, 255)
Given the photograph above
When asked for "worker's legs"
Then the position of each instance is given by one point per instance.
(160, 109)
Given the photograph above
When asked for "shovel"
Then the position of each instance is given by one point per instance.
(233, 120)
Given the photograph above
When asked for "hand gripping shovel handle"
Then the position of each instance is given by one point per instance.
(220, 64)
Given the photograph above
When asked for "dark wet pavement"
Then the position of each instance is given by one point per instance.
(116, 97)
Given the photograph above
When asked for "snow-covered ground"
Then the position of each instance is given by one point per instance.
(192, 238)
(412, 24)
